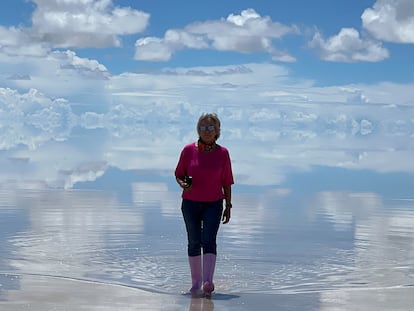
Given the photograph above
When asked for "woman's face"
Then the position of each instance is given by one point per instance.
(207, 131)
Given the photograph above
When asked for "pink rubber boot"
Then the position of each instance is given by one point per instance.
(196, 275)
(209, 264)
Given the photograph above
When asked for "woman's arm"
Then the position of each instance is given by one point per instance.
(228, 205)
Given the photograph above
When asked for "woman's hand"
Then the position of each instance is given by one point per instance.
(226, 215)
(183, 184)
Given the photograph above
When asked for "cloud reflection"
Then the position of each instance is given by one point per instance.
(58, 143)
(64, 226)
(383, 238)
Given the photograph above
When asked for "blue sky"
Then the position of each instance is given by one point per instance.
(122, 83)
(380, 40)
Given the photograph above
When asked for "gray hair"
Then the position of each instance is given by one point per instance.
(210, 117)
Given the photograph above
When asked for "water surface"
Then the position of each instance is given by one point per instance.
(338, 235)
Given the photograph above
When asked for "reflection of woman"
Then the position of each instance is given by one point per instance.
(202, 199)
(197, 304)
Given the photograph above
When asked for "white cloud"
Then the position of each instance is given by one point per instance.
(89, 68)
(246, 33)
(71, 24)
(58, 74)
(153, 49)
(59, 111)
(391, 20)
(9, 36)
(18, 42)
(80, 24)
(285, 123)
(348, 46)
(31, 119)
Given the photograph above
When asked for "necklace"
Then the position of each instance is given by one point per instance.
(206, 147)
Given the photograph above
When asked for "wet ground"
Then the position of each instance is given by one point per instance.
(333, 246)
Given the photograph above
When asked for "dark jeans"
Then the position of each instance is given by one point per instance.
(202, 221)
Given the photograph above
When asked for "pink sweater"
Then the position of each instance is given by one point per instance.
(211, 171)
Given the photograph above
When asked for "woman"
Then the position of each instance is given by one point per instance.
(205, 174)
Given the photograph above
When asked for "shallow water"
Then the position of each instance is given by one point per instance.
(330, 237)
